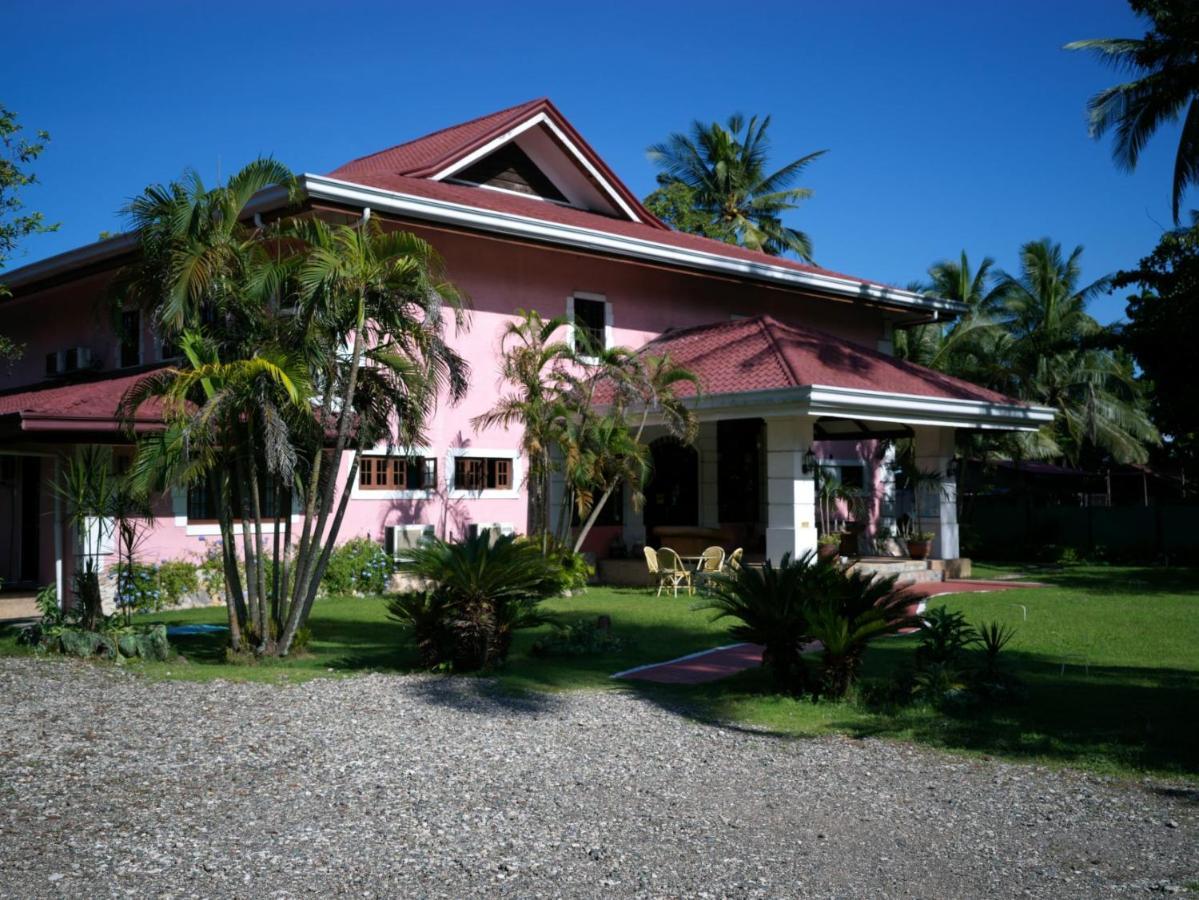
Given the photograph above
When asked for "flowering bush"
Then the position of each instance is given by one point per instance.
(138, 590)
(359, 566)
(145, 588)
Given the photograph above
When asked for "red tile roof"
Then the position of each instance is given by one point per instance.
(432, 152)
(407, 168)
(83, 405)
(425, 156)
(761, 353)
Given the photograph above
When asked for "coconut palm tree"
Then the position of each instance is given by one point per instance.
(725, 168)
(1056, 354)
(1164, 65)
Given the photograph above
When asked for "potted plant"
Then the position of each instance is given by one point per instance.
(828, 546)
(919, 544)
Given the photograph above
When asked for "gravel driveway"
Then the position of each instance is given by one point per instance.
(113, 785)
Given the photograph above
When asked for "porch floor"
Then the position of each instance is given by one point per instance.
(721, 662)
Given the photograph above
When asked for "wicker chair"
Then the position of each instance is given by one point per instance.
(671, 572)
(711, 562)
(734, 561)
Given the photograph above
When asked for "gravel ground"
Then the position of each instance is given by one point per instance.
(113, 785)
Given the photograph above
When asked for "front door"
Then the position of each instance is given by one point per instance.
(672, 495)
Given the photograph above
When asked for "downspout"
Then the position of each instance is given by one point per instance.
(58, 573)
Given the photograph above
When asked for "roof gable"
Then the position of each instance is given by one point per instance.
(562, 165)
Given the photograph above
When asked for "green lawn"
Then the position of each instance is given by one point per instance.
(1135, 710)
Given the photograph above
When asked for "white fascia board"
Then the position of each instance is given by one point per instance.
(447, 212)
(512, 133)
(71, 259)
(881, 406)
(874, 406)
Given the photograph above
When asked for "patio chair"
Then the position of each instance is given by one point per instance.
(711, 562)
(734, 561)
(672, 572)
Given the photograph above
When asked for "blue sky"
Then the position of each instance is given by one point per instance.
(949, 126)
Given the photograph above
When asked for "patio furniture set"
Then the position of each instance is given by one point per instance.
(672, 571)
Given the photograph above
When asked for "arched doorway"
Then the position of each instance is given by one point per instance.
(672, 495)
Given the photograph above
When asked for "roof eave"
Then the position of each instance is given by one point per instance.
(322, 187)
(875, 406)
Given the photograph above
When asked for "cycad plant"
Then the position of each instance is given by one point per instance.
(478, 593)
(858, 608)
(771, 606)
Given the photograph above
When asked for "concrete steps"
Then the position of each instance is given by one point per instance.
(910, 571)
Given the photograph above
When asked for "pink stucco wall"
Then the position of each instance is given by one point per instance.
(499, 277)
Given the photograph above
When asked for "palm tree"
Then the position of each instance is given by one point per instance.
(1056, 354)
(1165, 69)
(603, 446)
(534, 364)
(964, 349)
(724, 167)
(356, 320)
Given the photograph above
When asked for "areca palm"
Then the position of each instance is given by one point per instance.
(235, 425)
(534, 364)
(312, 341)
(1165, 66)
(725, 168)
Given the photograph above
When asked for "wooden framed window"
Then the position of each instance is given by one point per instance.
(203, 505)
(482, 473)
(131, 338)
(397, 473)
(589, 320)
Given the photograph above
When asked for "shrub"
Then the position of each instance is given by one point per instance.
(574, 568)
(177, 578)
(956, 663)
(583, 637)
(137, 589)
(359, 566)
(480, 591)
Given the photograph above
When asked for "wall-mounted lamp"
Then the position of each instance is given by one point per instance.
(809, 462)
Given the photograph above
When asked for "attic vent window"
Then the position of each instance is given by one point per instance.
(510, 169)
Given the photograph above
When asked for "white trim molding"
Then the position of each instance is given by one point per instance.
(358, 493)
(875, 406)
(455, 493)
(544, 120)
(321, 187)
(445, 212)
(609, 341)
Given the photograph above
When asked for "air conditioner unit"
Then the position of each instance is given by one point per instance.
(496, 529)
(398, 538)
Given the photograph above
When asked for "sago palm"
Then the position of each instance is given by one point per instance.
(725, 168)
(1164, 65)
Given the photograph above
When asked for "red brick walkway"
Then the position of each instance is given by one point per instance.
(721, 662)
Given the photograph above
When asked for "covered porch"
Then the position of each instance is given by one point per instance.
(783, 404)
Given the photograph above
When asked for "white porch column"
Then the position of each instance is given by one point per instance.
(791, 494)
(939, 509)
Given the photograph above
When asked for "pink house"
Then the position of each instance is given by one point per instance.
(795, 360)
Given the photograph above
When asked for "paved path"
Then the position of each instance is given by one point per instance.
(721, 662)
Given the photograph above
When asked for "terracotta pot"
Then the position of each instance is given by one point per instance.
(919, 549)
(828, 551)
